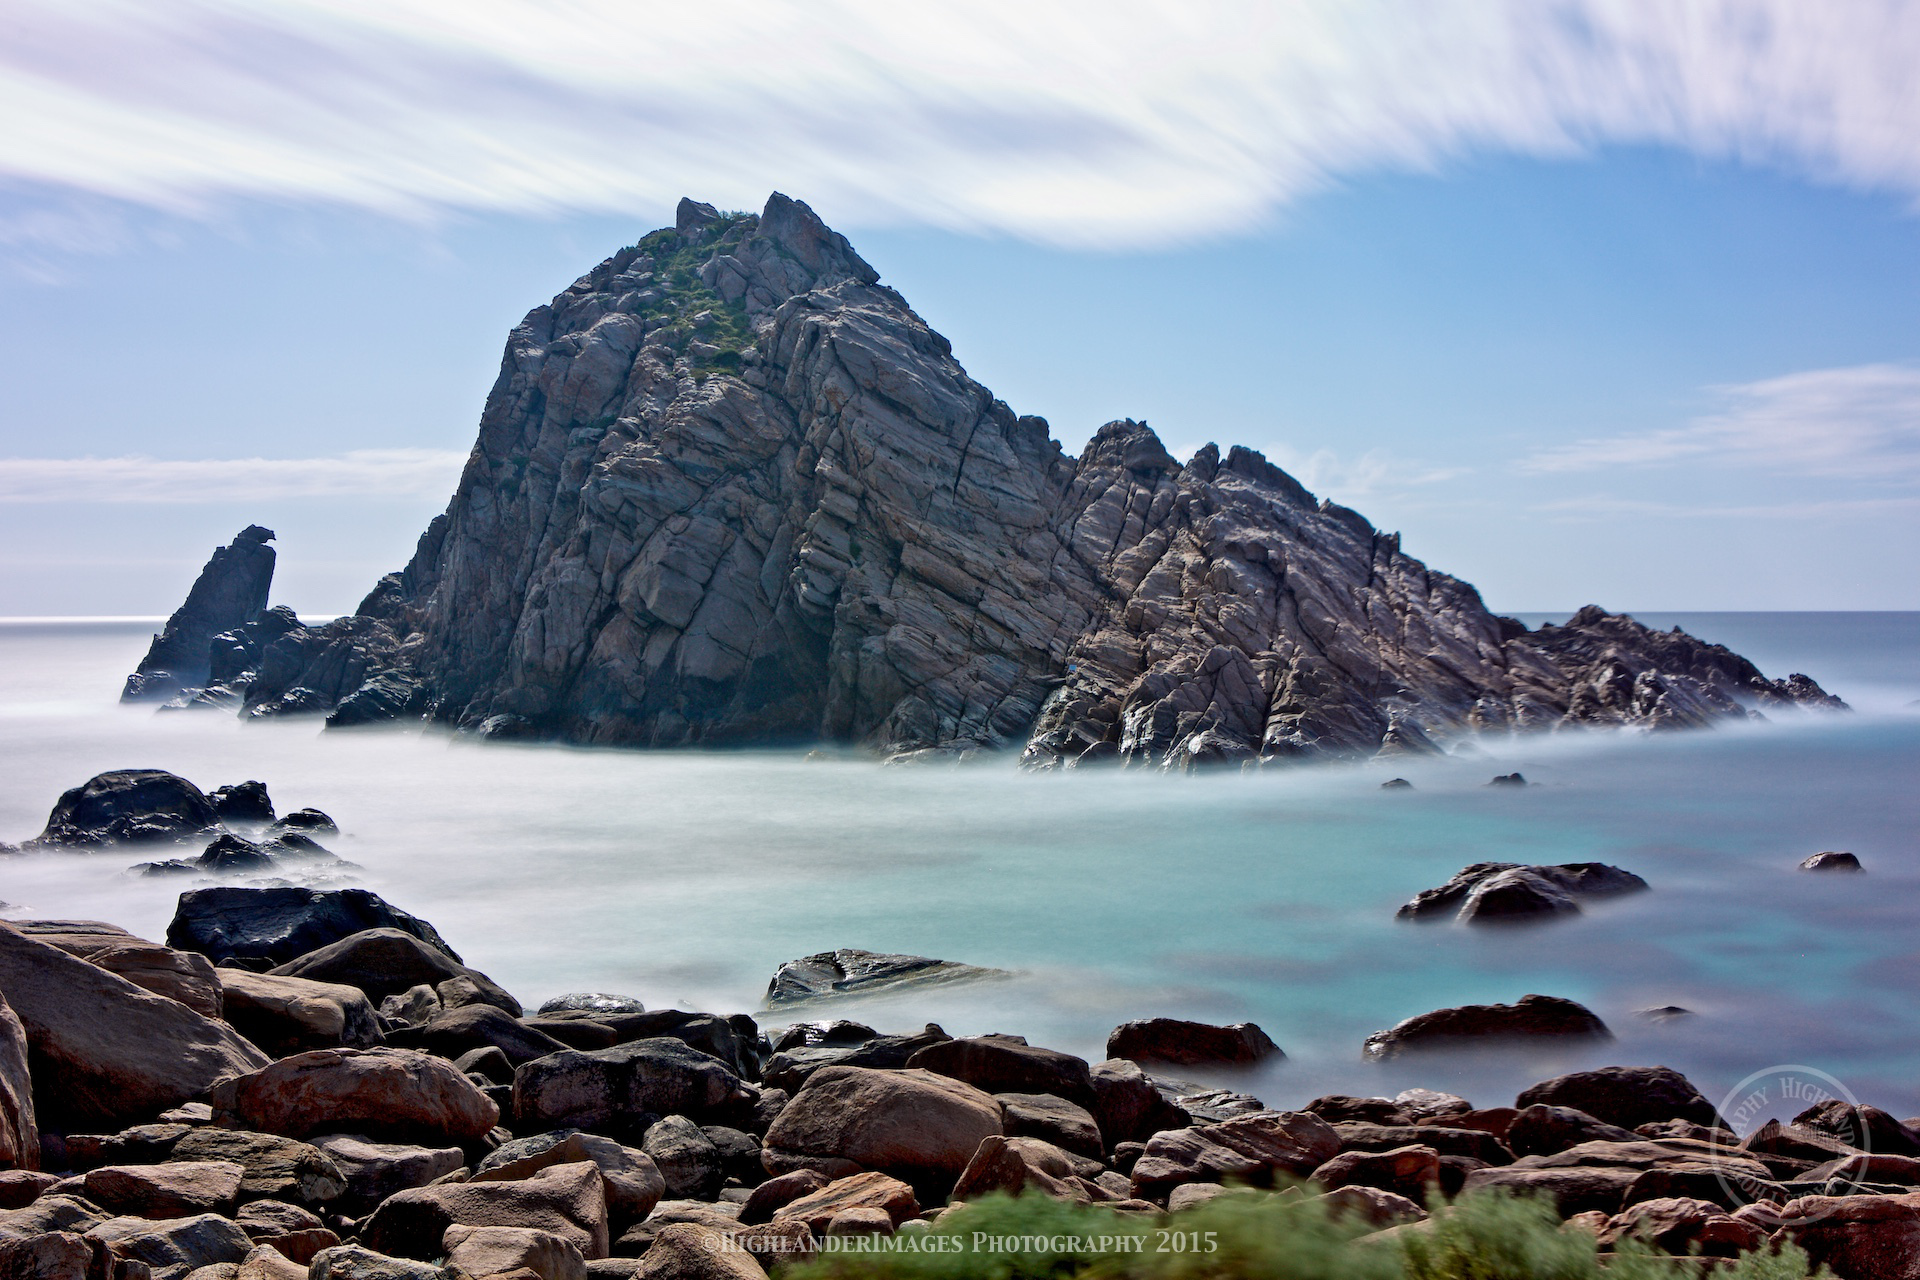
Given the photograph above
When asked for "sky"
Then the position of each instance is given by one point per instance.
(1593, 300)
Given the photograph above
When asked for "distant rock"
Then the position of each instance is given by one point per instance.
(1515, 779)
(849, 971)
(1530, 1018)
(1830, 861)
(1663, 1013)
(1190, 1044)
(230, 592)
(1497, 892)
(243, 802)
(1396, 784)
(728, 488)
(129, 805)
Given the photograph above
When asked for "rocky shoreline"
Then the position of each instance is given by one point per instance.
(313, 1082)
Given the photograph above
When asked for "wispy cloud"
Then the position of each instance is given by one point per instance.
(1370, 474)
(1856, 423)
(1607, 507)
(1091, 121)
(366, 473)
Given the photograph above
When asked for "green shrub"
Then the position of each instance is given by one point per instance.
(1482, 1237)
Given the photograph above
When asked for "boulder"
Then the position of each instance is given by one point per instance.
(690, 1251)
(775, 1194)
(172, 1247)
(875, 1191)
(1863, 1237)
(179, 1189)
(1625, 1096)
(21, 1187)
(1127, 1106)
(103, 1050)
(293, 1230)
(1831, 861)
(909, 1122)
(373, 1170)
(592, 1002)
(395, 1094)
(497, 1251)
(1013, 1166)
(573, 1032)
(723, 1216)
(789, 1068)
(1541, 1130)
(242, 802)
(706, 1032)
(19, 1131)
(1378, 1208)
(286, 1015)
(1252, 1149)
(568, 1200)
(128, 805)
(54, 1211)
(687, 1159)
(1490, 892)
(57, 1255)
(1868, 1128)
(860, 1222)
(177, 975)
(634, 1184)
(1518, 895)
(852, 971)
(307, 821)
(355, 1262)
(1576, 1189)
(415, 1007)
(385, 962)
(1051, 1119)
(282, 924)
(1190, 1044)
(477, 1026)
(1413, 1172)
(272, 1167)
(231, 855)
(1008, 1064)
(1476, 1144)
(1335, 1108)
(270, 1262)
(622, 1085)
(1530, 1018)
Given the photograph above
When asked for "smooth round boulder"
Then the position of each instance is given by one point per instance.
(283, 923)
(1831, 861)
(387, 1093)
(1190, 1044)
(129, 805)
(1625, 1096)
(908, 1122)
(1531, 1017)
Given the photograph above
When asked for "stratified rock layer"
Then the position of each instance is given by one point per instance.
(728, 488)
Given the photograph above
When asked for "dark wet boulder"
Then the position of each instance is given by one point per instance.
(850, 971)
(1488, 892)
(1866, 1127)
(388, 962)
(242, 802)
(790, 1067)
(706, 1032)
(1127, 1106)
(1396, 784)
(622, 1089)
(282, 924)
(128, 805)
(230, 592)
(1530, 1018)
(231, 855)
(1190, 1044)
(1831, 861)
(306, 821)
(1008, 1064)
(1625, 1096)
(390, 695)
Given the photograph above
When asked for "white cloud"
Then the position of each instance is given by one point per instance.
(365, 473)
(1371, 474)
(1085, 121)
(1856, 423)
(1606, 507)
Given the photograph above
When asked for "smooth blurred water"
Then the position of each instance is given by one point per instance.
(685, 878)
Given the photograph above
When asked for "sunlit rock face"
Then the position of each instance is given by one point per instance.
(730, 489)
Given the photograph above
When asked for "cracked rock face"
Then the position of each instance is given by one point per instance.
(730, 489)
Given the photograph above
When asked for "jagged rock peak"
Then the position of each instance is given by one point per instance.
(730, 489)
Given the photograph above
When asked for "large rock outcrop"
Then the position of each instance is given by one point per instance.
(230, 592)
(729, 488)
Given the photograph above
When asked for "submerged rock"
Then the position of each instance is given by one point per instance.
(850, 971)
(1830, 861)
(1528, 1018)
(129, 805)
(1491, 892)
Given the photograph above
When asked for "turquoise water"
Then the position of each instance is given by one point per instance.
(685, 878)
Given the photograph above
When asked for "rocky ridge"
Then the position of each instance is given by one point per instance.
(729, 488)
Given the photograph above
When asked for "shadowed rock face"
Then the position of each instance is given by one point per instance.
(229, 593)
(728, 488)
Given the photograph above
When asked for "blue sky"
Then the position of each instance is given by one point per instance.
(1624, 307)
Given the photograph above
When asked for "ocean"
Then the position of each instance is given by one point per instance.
(685, 878)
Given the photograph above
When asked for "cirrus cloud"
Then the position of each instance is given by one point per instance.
(1120, 122)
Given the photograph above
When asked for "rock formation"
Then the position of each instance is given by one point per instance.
(729, 488)
(229, 593)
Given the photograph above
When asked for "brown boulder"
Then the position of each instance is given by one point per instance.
(102, 1048)
(1626, 1096)
(273, 1167)
(568, 1200)
(292, 1015)
(58, 1255)
(1541, 1130)
(1252, 1149)
(907, 1122)
(479, 1026)
(1377, 1207)
(387, 1093)
(1575, 1189)
(495, 1251)
(1190, 1044)
(175, 1246)
(634, 1184)
(387, 962)
(1857, 1237)
(177, 975)
(173, 1190)
(19, 1132)
(1683, 1226)
(267, 1262)
(356, 1262)
(21, 1187)
(775, 1194)
(1011, 1166)
(862, 1191)
(1413, 1172)
(1530, 1018)
(1127, 1106)
(772, 1243)
(689, 1251)
(1007, 1064)
(375, 1170)
(1051, 1119)
(294, 1233)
